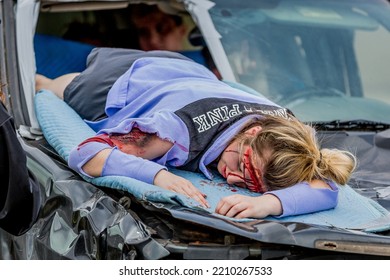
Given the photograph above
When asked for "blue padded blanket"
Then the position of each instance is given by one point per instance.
(64, 129)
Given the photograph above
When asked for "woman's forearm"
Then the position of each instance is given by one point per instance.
(94, 167)
(82, 158)
(95, 159)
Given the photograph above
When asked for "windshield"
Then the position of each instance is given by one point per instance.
(324, 60)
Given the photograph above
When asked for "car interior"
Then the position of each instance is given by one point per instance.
(63, 47)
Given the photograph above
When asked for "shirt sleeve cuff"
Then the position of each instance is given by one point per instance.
(303, 199)
(119, 163)
(82, 154)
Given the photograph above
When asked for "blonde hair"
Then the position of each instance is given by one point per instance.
(290, 152)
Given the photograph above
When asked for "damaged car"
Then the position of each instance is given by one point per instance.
(327, 61)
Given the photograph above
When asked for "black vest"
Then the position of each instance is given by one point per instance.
(208, 118)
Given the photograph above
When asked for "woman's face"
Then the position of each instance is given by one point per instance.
(238, 168)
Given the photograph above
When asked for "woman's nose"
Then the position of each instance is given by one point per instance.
(234, 178)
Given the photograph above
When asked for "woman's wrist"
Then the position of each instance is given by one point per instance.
(271, 205)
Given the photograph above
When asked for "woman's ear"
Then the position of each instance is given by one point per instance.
(253, 130)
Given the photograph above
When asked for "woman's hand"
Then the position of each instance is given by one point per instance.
(241, 206)
(169, 181)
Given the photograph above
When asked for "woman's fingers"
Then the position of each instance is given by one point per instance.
(172, 182)
(242, 206)
(229, 206)
(235, 206)
(187, 188)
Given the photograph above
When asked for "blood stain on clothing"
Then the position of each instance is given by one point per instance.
(135, 136)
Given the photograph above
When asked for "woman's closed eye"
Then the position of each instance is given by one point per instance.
(242, 176)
